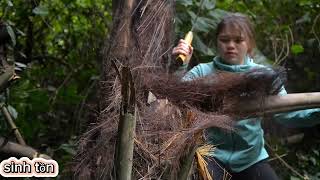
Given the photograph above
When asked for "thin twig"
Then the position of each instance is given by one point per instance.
(274, 47)
(287, 52)
(275, 158)
(313, 30)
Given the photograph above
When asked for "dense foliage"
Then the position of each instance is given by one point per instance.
(60, 42)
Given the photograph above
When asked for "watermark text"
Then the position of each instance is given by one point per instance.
(24, 167)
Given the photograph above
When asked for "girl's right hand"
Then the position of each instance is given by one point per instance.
(183, 48)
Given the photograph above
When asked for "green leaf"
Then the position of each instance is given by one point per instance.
(294, 178)
(297, 49)
(316, 152)
(216, 15)
(12, 35)
(209, 4)
(10, 4)
(41, 10)
(51, 88)
(201, 24)
(13, 112)
(20, 32)
(68, 148)
(304, 19)
(259, 58)
(200, 46)
(184, 2)
(19, 64)
(225, 4)
(22, 54)
(69, 95)
(39, 99)
(192, 14)
(313, 160)
(83, 3)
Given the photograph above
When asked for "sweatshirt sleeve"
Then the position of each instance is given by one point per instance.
(300, 118)
(181, 69)
(192, 74)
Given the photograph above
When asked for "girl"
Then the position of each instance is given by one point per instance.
(242, 152)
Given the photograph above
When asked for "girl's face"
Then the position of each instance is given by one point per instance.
(232, 45)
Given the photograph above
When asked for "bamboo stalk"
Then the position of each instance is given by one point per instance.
(13, 126)
(126, 147)
(279, 104)
(126, 129)
(187, 164)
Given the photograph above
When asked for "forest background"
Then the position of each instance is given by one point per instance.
(58, 44)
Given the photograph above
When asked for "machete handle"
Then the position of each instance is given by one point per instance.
(182, 58)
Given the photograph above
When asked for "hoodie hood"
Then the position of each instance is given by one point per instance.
(248, 64)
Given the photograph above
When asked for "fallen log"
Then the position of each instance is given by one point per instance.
(15, 149)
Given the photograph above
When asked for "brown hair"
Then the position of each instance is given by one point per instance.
(243, 24)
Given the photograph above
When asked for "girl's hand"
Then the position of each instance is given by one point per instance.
(183, 48)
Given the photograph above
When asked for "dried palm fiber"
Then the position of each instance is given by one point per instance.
(164, 131)
(218, 92)
(210, 99)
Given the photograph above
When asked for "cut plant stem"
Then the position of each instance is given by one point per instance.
(125, 160)
(126, 128)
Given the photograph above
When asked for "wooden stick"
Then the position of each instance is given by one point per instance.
(13, 126)
(279, 104)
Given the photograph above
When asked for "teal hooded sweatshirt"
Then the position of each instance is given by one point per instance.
(241, 148)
